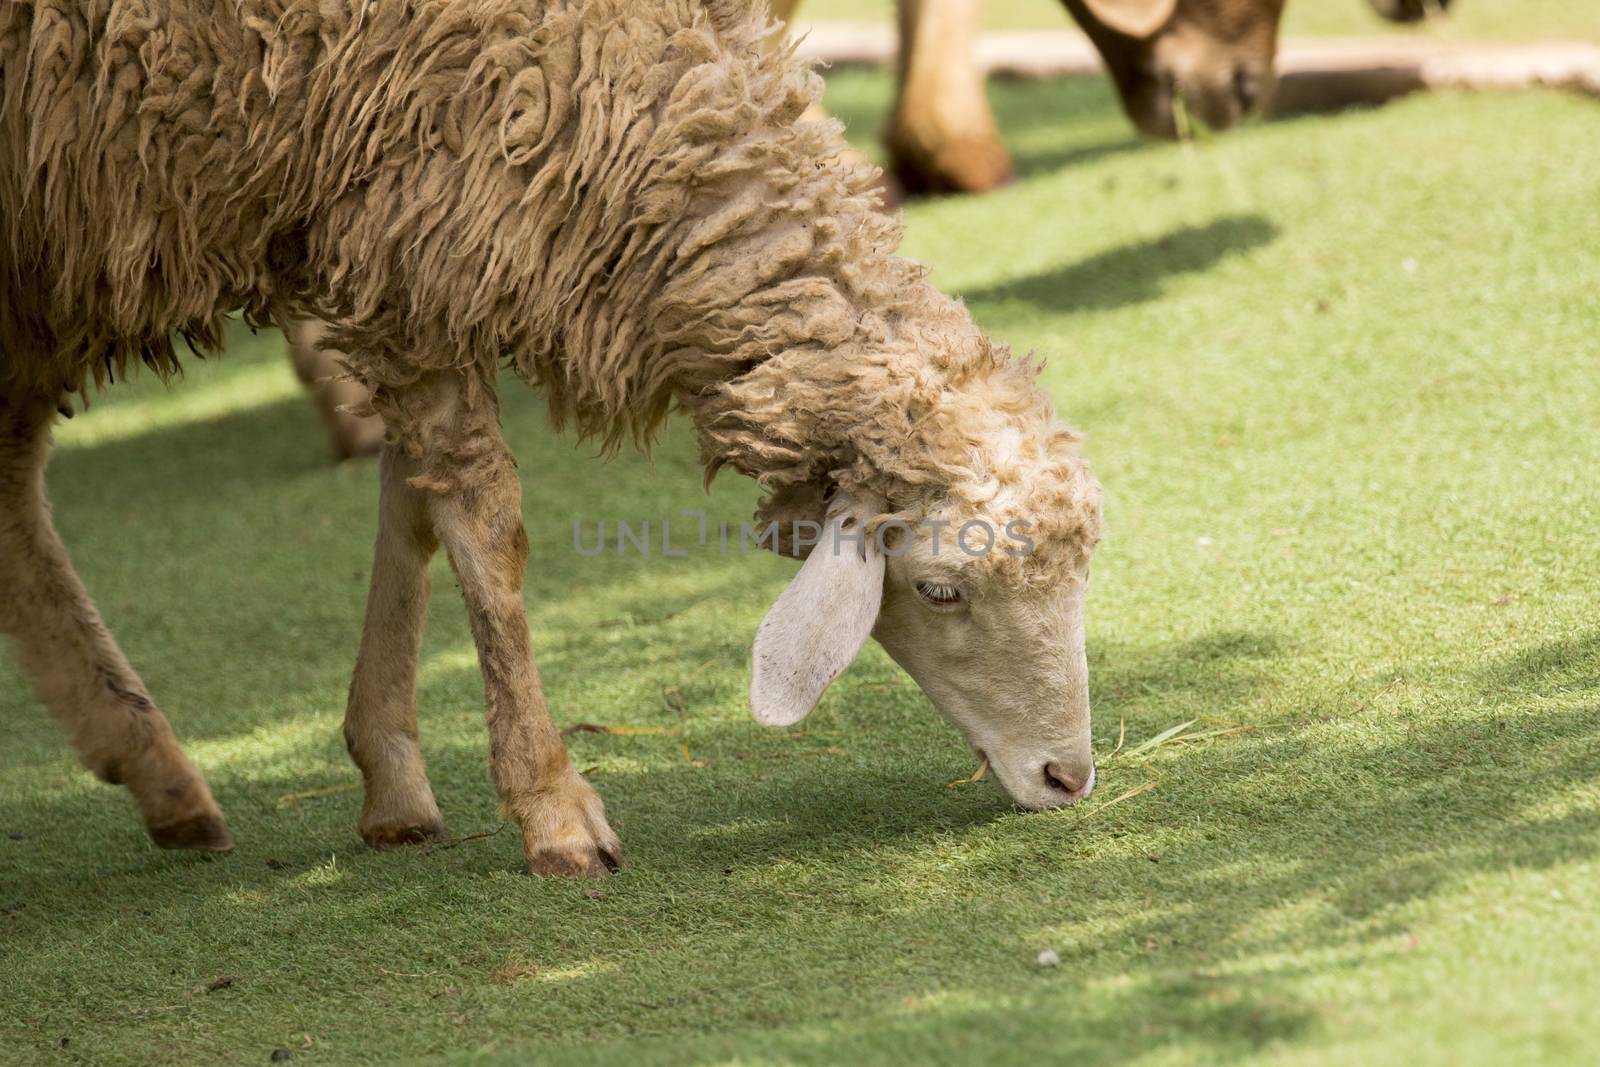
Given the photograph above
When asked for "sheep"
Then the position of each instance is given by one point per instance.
(616, 201)
(1217, 54)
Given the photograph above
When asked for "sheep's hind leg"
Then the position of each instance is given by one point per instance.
(331, 393)
(380, 722)
(450, 425)
(76, 667)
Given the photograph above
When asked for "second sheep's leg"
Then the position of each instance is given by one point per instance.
(942, 136)
(448, 425)
(350, 434)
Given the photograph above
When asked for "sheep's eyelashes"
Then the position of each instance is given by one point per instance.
(937, 595)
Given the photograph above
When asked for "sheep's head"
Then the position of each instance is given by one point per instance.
(1409, 10)
(962, 543)
(1217, 54)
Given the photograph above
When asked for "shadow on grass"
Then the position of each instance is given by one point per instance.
(1133, 274)
(877, 872)
(1031, 162)
(873, 869)
(1571, 663)
(762, 796)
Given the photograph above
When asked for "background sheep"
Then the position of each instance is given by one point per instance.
(1217, 54)
(616, 200)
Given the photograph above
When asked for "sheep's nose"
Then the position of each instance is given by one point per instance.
(1248, 86)
(1074, 783)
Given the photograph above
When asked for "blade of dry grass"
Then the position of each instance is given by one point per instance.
(1119, 798)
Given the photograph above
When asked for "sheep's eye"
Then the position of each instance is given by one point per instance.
(939, 596)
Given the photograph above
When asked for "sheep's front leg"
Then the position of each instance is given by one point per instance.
(380, 722)
(942, 136)
(450, 427)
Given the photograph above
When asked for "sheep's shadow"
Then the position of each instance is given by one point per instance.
(1568, 663)
(1131, 274)
(747, 795)
(1201, 947)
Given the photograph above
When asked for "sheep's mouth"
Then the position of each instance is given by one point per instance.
(1153, 105)
(1172, 110)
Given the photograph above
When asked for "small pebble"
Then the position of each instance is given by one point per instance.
(1049, 957)
(280, 1054)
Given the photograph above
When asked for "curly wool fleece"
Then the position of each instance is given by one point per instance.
(617, 198)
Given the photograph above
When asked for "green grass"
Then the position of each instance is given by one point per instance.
(1341, 379)
(1508, 20)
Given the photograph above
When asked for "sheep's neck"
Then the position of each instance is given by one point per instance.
(806, 406)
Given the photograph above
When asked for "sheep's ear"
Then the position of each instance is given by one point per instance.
(1132, 18)
(819, 622)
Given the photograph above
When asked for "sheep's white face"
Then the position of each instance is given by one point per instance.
(1001, 658)
(1006, 665)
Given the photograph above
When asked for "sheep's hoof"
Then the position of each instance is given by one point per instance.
(398, 835)
(564, 830)
(971, 164)
(204, 833)
(596, 862)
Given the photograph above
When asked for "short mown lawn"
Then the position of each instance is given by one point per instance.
(1341, 380)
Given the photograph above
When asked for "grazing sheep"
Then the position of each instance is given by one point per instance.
(615, 200)
(1218, 54)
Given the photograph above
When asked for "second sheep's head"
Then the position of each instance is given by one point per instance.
(1212, 57)
(957, 530)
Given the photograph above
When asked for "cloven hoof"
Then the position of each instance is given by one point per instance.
(400, 835)
(204, 833)
(567, 863)
(962, 165)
